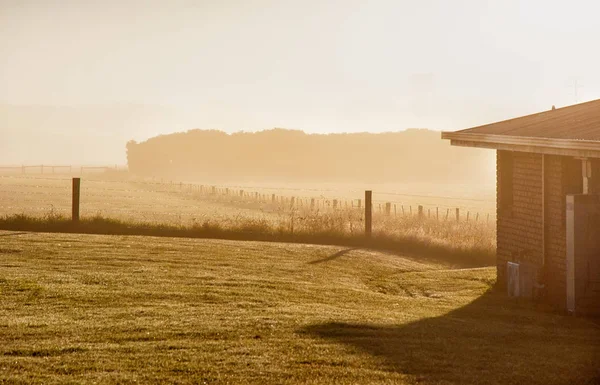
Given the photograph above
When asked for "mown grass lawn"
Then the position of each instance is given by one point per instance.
(115, 309)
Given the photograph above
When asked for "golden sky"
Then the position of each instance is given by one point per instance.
(320, 66)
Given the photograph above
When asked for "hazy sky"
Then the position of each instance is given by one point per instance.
(321, 66)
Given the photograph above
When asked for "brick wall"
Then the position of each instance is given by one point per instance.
(556, 262)
(521, 233)
(585, 210)
(519, 226)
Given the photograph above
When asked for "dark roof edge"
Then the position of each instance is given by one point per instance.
(573, 147)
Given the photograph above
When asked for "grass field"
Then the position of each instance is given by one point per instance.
(124, 309)
(130, 198)
(192, 206)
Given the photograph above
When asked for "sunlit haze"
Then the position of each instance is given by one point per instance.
(152, 67)
(300, 192)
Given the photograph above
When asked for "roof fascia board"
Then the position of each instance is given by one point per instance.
(507, 140)
(529, 149)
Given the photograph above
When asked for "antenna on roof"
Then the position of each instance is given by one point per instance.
(574, 83)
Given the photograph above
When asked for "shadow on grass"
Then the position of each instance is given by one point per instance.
(490, 341)
(405, 246)
(333, 256)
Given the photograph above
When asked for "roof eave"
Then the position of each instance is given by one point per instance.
(567, 147)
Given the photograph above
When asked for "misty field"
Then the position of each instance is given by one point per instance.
(112, 309)
(328, 210)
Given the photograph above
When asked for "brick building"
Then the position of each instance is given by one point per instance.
(548, 213)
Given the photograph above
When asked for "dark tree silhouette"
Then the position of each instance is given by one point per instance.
(411, 155)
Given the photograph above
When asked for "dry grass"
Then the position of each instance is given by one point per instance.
(129, 205)
(317, 229)
(125, 309)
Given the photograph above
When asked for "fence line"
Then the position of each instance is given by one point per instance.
(246, 187)
(189, 191)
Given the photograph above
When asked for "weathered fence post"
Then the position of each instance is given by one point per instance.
(368, 213)
(359, 204)
(388, 208)
(420, 212)
(76, 195)
(312, 204)
(437, 213)
(335, 203)
(457, 214)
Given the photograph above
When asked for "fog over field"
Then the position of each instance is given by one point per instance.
(80, 79)
(257, 192)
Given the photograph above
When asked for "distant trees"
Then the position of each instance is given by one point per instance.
(411, 155)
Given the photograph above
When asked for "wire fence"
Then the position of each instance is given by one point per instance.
(179, 202)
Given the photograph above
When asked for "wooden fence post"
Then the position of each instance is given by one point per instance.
(76, 195)
(312, 204)
(388, 208)
(457, 214)
(359, 204)
(420, 212)
(437, 213)
(368, 213)
(335, 203)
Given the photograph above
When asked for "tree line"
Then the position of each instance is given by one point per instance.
(417, 155)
